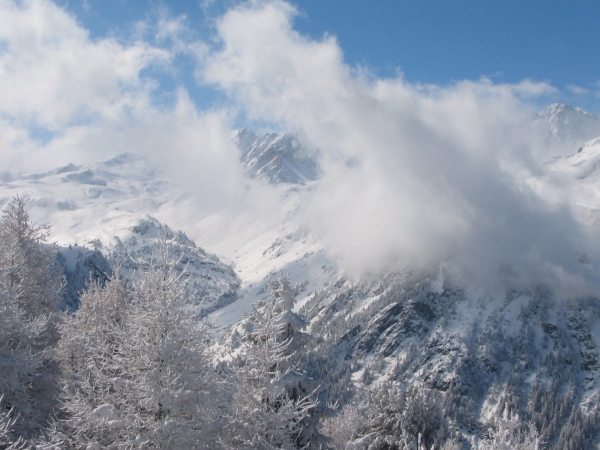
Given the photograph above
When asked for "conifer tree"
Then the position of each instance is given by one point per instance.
(30, 270)
(30, 291)
(272, 405)
(141, 374)
(391, 418)
(507, 434)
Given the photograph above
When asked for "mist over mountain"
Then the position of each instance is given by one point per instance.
(481, 344)
(129, 188)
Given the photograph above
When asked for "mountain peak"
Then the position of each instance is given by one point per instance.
(558, 109)
(276, 158)
(243, 138)
(568, 125)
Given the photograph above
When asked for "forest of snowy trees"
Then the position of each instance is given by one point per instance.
(133, 367)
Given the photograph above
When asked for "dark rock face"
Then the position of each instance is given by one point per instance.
(397, 322)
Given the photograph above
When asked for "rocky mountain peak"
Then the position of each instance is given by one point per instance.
(276, 158)
(569, 125)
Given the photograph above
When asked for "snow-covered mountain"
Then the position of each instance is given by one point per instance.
(533, 351)
(97, 212)
(567, 126)
(85, 203)
(276, 158)
(211, 283)
(101, 221)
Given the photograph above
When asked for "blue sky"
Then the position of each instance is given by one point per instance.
(428, 41)
(440, 41)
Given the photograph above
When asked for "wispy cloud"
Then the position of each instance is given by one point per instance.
(577, 90)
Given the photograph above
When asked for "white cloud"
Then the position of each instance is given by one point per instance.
(94, 98)
(426, 172)
(577, 90)
(54, 78)
(52, 73)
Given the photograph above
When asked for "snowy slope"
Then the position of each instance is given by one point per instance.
(100, 221)
(211, 283)
(574, 180)
(84, 203)
(295, 252)
(105, 206)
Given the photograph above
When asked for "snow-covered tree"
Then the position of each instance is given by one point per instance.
(580, 431)
(343, 428)
(273, 405)
(30, 271)
(507, 434)
(94, 332)
(30, 290)
(391, 418)
(166, 348)
(9, 440)
(423, 418)
(22, 379)
(289, 329)
(141, 373)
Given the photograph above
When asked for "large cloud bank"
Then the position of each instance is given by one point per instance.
(411, 172)
(425, 172)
